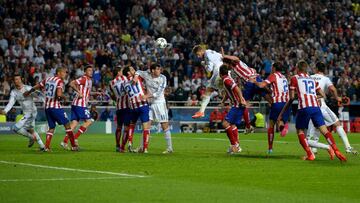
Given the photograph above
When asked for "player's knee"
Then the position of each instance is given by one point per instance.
(225, 124)
(15, 129)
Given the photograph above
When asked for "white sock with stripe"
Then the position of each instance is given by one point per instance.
(167, 134)
(318, 145)
(38, 139)
(205, 101)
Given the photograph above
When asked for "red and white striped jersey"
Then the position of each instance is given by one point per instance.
(279, 87)
(118, 87)
(229, 86)
(85, 84)
(306, 88)
(51, 85)
(136, 93)
(244, 71)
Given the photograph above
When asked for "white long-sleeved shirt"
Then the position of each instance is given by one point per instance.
(213, 61)
(155, 85)
(27, 103)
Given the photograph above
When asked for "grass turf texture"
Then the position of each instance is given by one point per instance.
(198, 171)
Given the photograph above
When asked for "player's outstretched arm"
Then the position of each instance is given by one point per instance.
(10, 104)
(232, 58)
(334, 92)
(33, 89)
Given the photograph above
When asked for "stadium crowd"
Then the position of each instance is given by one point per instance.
(37, 36)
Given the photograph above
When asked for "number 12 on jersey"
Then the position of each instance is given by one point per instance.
(309, 86)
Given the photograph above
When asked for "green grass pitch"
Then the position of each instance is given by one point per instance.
(198, 171)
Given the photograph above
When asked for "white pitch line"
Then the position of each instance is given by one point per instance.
(59, 179)
(223, 139)
(74, 169)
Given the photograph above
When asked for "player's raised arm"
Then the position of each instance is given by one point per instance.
(228, 57)
(33, 89)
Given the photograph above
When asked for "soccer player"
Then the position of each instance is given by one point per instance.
(213, 61)
(26, 125)
(155, 84)
(117, 87)
(245, 73)
(79, 111)
(233, 118)
(306, 88)
(139, 105)
(329, 116)
(54, 87)
(280, 95)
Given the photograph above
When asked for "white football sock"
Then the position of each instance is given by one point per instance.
(319, 145)
(38, 140)
(204, 103)
(340, 130)
(167, 135)
(24, 133)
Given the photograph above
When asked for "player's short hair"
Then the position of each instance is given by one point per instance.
(302, 65)
(153, 66)
(117, 69)
(278, 66)
(224, 70)
(59, 69)
(87, 66)
(320, 66)
(197, 48)
(17, 75)
(127, 69)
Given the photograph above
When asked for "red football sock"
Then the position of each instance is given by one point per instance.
(235, 134)
(131, 133)
(229, 133)
(124, 139)
(81, 130)
(66, 139)
(146, 134)
(331, 141)
(270, 133)
(70, 134)
(304, 144)
(247, 118)
(118, 136)
(49, 136)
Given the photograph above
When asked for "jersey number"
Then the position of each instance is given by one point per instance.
(49, 90)
(285, 85)
(120, 89)
(309, 86)
(132, 90)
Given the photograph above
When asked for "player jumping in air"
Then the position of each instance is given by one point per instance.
(54, 87)
(139, 105)
(123, 111)
(280, 95)
(213, 61)
(233, 118)
(308, 109)
(155, 84)
(26, 125)
(245, 73)
(329, 116)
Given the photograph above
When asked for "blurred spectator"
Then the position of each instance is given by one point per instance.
(106, 114)
(192, 100)
(216, 118)
(93, 113)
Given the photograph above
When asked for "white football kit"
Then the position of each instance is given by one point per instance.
(27, 105)
(213, 61)
(329, 116)
(156, 87)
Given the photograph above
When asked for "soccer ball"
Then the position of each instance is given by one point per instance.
(161, 43)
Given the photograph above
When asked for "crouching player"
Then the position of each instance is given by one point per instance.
(280, 95)
(233, 118)
(26, 125)
(54, 87)
(155, 84)
(306, 88)
(139, 105)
